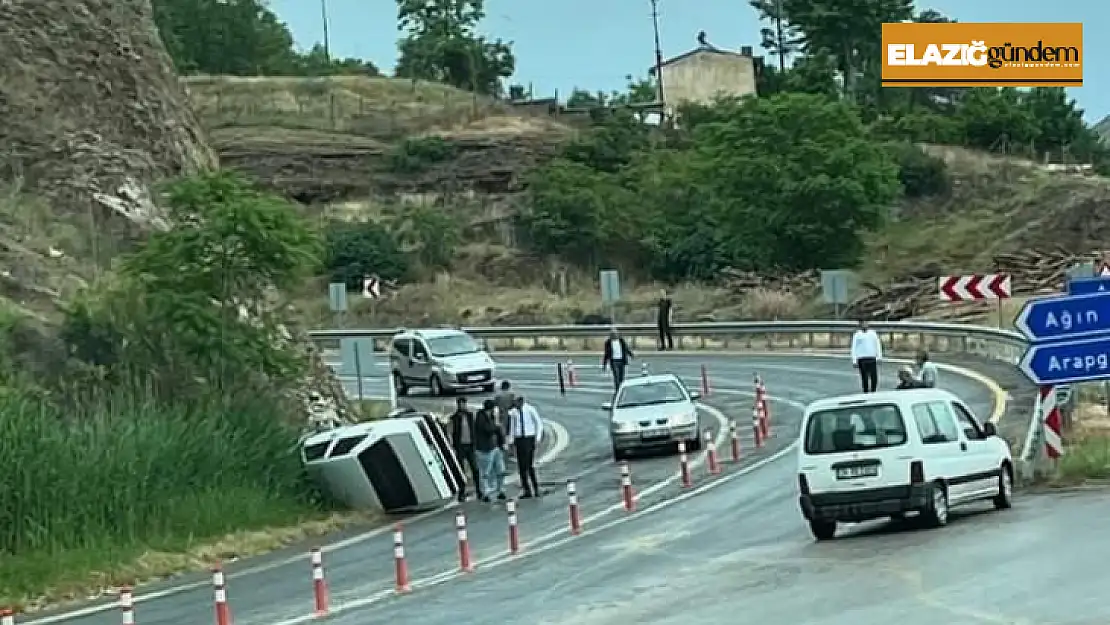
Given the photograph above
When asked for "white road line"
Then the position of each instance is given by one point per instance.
(561, 439)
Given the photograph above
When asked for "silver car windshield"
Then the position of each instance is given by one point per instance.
(454, 345)
(648, 394)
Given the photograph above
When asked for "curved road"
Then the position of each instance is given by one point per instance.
(697, 557)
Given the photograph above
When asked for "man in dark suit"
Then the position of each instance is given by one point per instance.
(617, 355)
(463, 435)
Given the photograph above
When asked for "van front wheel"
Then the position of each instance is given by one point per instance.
(823, 530)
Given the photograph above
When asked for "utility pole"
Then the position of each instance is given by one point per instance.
(327, 38)
(658, 49)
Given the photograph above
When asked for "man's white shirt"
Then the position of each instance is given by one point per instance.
(526, 422)
(617, 352)
(866, 344)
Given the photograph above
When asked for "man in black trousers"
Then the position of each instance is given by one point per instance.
(526, 431)
(462, 437)
(665, 321)
(617, 355)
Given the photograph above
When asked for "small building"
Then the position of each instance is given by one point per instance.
(706, 73)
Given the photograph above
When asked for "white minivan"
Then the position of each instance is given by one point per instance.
(886, 454)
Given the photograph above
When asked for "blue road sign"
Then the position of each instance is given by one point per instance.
(1067, 362)
(1068, 317)
(1087, 286)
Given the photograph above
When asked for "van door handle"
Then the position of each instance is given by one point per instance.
(963, 446)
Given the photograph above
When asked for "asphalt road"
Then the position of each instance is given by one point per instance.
(699, 538)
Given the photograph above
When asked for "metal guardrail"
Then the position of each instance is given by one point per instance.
(994, 343)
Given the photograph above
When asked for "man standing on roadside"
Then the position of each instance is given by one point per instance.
(616, 356)
(867, 351)
(462, 437)
(926, 370)
(665, 321)
(489, 445)
(527, 431)
(505, 399)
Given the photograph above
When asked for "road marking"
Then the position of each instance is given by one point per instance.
(561, 443)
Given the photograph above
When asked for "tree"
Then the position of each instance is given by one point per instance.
(441, 44)
(780, 39)
(848, 30)
(317, 62)
(358, 249)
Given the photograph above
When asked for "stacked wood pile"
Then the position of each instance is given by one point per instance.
(801, 283)
(1034, 272)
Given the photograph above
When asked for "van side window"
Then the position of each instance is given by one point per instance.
(945, 420)
(926, 426)
(401, 346)
(419, 351)
(967, 423)
(935, 423)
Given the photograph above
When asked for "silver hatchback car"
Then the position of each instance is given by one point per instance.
(443, 360)
(653, 411)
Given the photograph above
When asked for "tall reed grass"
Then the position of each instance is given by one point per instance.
(88, 492)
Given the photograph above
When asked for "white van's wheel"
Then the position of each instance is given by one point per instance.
(399, 385)
(936, 511)
(823, 530)
(435, 387)
(1004, 500)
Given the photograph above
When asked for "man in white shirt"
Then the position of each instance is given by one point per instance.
(867, 351)
(526, 430)
(926, 370)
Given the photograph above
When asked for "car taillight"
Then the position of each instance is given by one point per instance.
(803, 484)
(917, 472)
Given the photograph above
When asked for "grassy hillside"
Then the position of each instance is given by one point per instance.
(328, 142)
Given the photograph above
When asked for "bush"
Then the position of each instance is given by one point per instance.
(921, 174)
(92, 490)
(415, 155)
(355, 250)
(769, 305)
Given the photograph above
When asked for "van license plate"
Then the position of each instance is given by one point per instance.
(848, 473)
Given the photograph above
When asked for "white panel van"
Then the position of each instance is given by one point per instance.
(886, 454)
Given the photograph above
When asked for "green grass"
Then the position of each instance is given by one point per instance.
(98, 498)
(1088, 458)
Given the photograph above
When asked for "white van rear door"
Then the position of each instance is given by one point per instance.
(855, 447)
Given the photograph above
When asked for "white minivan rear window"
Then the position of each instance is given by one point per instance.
(854, 428)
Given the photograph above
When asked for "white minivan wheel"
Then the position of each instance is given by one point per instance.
(1004, 500)
(936, 510)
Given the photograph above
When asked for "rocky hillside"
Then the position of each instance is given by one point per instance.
(335, 142)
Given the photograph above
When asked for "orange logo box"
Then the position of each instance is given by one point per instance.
(982, 55)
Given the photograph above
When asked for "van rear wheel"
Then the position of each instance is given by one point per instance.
(823, 530)
(399, 385)
(935, 513)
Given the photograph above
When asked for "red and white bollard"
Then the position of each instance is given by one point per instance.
(627, 494)
(7, 617)
(572, 375)
(465, 565)
(711, 454)
(763, 405)
(764, 426)
(572, 506)
(126, 606)
(684, 465)
(734, 439)
(644, 369)
(514, 532)
(223, 611)
(319, 585)
(400, 566)
(757, 430)
(704, 381)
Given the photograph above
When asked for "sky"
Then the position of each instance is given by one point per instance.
(594, 44)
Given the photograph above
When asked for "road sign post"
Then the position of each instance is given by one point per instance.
(610, 281)
(836, 287)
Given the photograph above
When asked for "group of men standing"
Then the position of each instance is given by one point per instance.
(481, 440)
(867, 352)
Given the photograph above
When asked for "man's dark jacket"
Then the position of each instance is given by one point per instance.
(487, 436)
(906, 385)
(607, 357)
(456, 426)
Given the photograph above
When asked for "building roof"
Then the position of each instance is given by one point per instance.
(701, 50)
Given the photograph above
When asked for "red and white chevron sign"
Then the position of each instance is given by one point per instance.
(1050, 419)
(976, 287)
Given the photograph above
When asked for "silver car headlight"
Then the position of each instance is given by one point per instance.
(687, 418)
(623, 426)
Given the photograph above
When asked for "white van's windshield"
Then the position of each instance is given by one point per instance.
(453, 345)
(855, 428)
